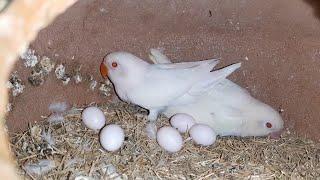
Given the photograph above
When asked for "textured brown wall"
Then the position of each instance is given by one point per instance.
(281, 39)
(20, 22)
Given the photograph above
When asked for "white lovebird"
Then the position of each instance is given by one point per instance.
(228, 108)
(157, 86)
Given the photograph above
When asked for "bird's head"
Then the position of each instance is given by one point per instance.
(265, 121)
(122, 67)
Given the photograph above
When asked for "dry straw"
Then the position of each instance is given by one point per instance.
(68, 150)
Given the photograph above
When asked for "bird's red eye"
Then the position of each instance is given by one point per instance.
(269, 125)
(114, 64)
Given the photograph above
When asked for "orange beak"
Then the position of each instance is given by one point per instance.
(104, 70)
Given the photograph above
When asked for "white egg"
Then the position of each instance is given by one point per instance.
(169, 139)
(93, 118)
(202, 134)
(183, 122)
(112, 137)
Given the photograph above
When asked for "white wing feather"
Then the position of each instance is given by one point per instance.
(215, 77)
(157, 57)
(164, 83)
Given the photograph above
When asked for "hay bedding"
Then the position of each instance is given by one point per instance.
(68, 150)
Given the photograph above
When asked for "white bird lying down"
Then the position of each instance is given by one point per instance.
(228, 108)
(157, 86)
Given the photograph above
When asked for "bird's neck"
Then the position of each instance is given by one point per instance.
(132, 80)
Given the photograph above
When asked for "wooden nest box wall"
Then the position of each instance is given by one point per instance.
(278, 43)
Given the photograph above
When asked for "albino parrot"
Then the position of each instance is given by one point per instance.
(228, 108)
(157, 86)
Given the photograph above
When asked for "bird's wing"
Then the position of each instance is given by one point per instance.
(228, 120)
(157, 57)
(165, 83)
(198, 65)
(175, 73)
(229, 112)
(209, 81)
(231, 94)
(184, 69)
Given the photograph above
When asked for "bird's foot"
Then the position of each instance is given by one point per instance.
(151, 130)
(153, 115)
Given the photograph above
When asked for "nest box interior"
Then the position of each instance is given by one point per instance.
(278, 43)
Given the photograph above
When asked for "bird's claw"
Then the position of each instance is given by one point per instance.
(153, 115)
(151, 130)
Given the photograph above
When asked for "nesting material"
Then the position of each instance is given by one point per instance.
(61, 74)
(77, 75)
(58, 107)
(40, 71)
(37, 77)
(55, 118)
(47, 65)
(93, 83)
(9, 107)
(77, 153)
(29, 58)
(41, 167)
(15, 84)
(77, 78)
(60, 71)
(57, 110)
(106, 88)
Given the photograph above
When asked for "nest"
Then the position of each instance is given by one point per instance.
(68, 150)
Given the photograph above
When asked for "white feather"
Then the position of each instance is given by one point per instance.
(155, 86)
(47, 136)
(157, 57)
(215, 77)
(229, 110)
(151, 130)
(39, 169)
(58, 107)
(55, 118)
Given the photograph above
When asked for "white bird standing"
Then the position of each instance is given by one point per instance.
(228, 108)
(157, 86)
